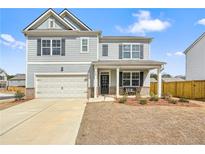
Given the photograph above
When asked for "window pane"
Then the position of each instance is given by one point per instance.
(135, 82)
(105, 53)
(126, 82)
(46, 43)
(135, 75)
(126, 54)
(85, 48)
(56, 43)
(135, 48)
(46, 51)
(126, 75)
(135, 55)
(84, 41)
(105, 50)
(56, 51)
(126, 47)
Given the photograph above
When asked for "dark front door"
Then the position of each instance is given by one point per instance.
(104, 84)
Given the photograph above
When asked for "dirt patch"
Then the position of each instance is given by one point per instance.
(114, 123)
(6, 104)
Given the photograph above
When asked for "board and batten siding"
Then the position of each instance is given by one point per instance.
(53, 68)
(113, 51)
(195, 61)
(72, 51)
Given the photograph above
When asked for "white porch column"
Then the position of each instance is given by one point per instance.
(117, 82)
(95, 82)
(159, 78)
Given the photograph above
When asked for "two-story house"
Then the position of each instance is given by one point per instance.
(195, 59)
(3, 79)
(66, 58)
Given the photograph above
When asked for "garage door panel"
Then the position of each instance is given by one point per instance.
(61, 87)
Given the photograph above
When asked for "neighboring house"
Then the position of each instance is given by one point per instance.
(195, 59)
(172, 79)
(3, 78)
(66, 58)
(17, 81)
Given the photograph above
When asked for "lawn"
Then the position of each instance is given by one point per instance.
(114, 123)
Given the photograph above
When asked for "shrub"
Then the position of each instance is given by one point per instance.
(183, 100)
(154, 98)
(167, 97)
(143, 101)
(172, 101)
(19, 95)
(123, 99)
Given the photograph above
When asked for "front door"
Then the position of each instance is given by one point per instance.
(104, 84)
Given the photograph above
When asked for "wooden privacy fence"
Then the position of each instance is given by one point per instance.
(187, 89)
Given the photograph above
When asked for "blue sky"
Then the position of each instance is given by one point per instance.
(173, 31)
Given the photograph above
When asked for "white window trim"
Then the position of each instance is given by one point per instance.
(49, 24)
(81, 43)
(131, 78)
(107, 49)
(130, 50)
(51, 41)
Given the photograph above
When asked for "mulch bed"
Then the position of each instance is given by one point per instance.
(5, 105)
(160, 102)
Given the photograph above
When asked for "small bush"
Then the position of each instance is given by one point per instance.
(143, 101)
(167, 97)
(172, 101)
(19, 95)
(123, 99)
(183, 100)
(154, 98)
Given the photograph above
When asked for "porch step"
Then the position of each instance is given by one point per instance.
(102, 99)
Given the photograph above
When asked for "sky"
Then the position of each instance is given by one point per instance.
(173, 31)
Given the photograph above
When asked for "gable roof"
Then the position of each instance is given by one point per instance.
(18, 77)
(195, 42)
(75, 19)
(49, 12)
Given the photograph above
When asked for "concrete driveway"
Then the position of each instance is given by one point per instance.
(42, 121)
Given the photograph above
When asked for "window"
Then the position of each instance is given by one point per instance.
(46, 47)
(56, 47)
(105, 50)
(51, 47)
(131, 51)
(51, 23)
(131, 79)
(84, 45)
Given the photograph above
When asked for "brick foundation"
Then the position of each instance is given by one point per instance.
(30, 93)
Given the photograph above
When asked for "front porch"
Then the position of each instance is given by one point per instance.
(120, 77)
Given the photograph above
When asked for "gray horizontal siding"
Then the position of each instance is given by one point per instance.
(113, 51)
(17, 83)
(72, 51)
(32, 69)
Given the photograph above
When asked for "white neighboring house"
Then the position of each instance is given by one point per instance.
(17, 81)
(3, 78)
(195, 59)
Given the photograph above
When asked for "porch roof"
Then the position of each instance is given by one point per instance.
(143, 64)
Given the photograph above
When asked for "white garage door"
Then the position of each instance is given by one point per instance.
(61, 87)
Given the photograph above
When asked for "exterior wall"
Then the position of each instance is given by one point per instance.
(195, 61)
(16, 83)
(72, 51)
(52, 68)
(45, 24)
(113, 50)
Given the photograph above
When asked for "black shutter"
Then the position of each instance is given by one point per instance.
(120, 51)
(141, 78)
(141, 51)
(38, 47)
(120, 80)
(63, 47)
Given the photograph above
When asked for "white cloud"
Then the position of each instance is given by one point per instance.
(201, 21)
(9, 40)
(178, 53)
(144, 24)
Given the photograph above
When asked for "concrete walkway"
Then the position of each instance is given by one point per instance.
(42, 121)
